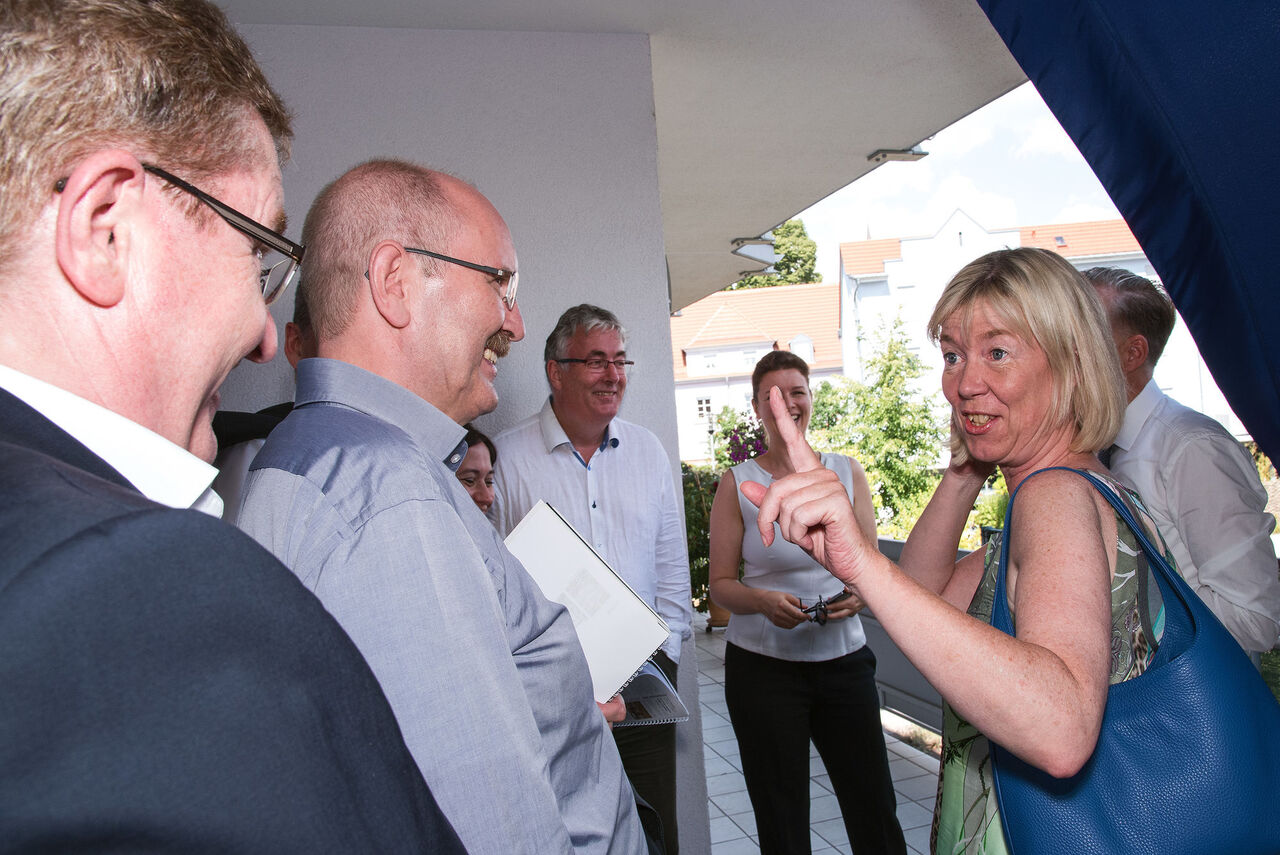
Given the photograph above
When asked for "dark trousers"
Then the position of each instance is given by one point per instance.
(776, 707)
(649, 757)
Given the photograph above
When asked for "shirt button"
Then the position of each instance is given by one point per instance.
(454, 458)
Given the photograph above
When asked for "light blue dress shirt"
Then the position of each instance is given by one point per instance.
(355, 492)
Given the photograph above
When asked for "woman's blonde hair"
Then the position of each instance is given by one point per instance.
(1042, 298)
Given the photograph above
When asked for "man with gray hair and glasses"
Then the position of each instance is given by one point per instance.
(1197, 481)
(612, 481)
(167, 685)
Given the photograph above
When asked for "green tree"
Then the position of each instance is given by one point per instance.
(1266, 470)
(888, 427)
(798, 256)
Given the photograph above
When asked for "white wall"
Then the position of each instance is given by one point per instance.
(723, 392)
(558, 131)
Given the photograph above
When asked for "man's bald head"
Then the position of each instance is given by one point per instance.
(375, 201)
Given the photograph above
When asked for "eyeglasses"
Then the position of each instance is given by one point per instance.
(818, 611)
(597, 364)
(278, 257)
(506, 280)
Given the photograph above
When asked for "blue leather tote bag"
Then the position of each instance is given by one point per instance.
(1188, 758)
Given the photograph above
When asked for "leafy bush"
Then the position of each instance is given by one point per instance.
(700, 483)
(738, 437)
(988, 512)
(1266, 470)
(1271, 671)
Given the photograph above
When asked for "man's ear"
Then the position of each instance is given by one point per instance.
(390, 271)
(554, 370)
(1133, 353)
(99, 208)
(298, 345)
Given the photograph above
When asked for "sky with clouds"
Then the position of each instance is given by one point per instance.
(1008, 164)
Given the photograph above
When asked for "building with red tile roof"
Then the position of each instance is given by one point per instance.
(716, 341)
(903, 278)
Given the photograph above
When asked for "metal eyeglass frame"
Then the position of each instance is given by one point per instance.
(507, 279)
(248, 226)
(622, 366)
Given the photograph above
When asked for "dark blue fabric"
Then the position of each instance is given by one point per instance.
(1173, 104)
(168, 686)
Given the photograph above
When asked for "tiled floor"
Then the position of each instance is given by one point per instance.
(733, 825)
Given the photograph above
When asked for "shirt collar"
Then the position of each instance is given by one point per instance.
(324, 380)
(160, 470)
(553, 435)
(1137, 413)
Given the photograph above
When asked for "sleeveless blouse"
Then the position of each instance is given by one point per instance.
(966, 817)
(788, 568)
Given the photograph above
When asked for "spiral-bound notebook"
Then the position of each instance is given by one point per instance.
(651, 699)
(617, 629)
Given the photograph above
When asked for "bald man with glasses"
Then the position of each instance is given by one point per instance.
(355, 491)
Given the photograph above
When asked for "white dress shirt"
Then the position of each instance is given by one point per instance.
(162, 471)
(623, 503)
(1202, 488)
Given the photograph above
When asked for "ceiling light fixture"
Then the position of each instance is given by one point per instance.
(881, 155)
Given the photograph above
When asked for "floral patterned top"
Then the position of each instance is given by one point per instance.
(966, 818)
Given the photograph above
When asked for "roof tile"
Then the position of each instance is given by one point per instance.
(776, 314)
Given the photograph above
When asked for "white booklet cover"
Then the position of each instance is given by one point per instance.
(617, 629)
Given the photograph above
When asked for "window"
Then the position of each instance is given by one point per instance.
(704, 414)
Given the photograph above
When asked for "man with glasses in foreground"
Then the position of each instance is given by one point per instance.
(611, 480)
(166, 684)
(410, 286)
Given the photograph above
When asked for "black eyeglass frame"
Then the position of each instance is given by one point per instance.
(247, 226)
(506, 278)
(620, 365)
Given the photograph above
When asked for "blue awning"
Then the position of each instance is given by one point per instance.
(1176, 106)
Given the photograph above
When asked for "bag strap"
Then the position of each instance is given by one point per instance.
(1167, 578)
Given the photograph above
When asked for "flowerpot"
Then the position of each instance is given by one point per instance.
(717, 616)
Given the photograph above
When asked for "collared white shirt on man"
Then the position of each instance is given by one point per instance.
(623, 502)
(1203, 490)
(162, 471)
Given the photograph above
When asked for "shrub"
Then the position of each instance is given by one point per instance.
(738, 437)
(700, 483)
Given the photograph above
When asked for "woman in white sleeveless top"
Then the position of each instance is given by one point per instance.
(789, 679)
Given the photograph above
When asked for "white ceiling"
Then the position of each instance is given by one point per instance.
(762, 108)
